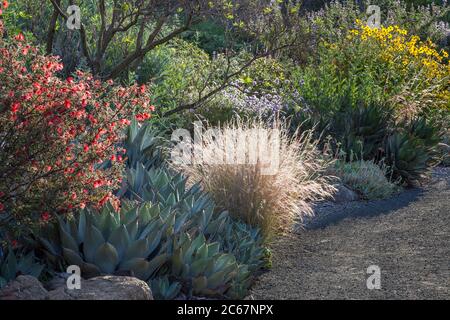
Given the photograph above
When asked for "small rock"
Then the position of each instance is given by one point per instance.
(105, 288)
(344, 194)
(24, 288)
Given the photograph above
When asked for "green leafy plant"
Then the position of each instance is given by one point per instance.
(13, 264)
(145, 145)
(367, 178)
(207, 270)
(109, 241)
(412, 150)
(177, 70)
(163, 289)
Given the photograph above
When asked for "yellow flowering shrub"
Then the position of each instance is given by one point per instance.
(383, 65)
(417, 69)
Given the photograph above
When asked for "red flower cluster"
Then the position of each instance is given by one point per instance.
(5, 5)
(59, 138)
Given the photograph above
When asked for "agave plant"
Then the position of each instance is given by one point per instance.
(423, 129)
(107, 242)
(195, 209)
(14, 264)
(246, 244)
(407, 157)
(202, 265)
(412, 150)
(162, 289)
(145, 146)
(361, 130)
(241, 283)
(194, 217)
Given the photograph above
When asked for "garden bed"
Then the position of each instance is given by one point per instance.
(289, 109)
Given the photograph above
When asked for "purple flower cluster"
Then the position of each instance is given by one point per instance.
(265, 104)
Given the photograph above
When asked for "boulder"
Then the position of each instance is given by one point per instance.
(24, 288)
(98, 288)
(344, 194)
(105, 288)
(59, 280)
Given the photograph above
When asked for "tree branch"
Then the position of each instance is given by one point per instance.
(82, 31)
(151, 44)
(52, 29)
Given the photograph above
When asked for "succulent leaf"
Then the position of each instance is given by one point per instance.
(92, 241)
(106, 258)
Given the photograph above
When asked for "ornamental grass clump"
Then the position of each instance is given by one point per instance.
(367, 178)
(268, 185)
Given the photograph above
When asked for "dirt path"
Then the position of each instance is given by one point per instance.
(408, 237)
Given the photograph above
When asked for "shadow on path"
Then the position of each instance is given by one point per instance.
(407, 236)
(329, 213)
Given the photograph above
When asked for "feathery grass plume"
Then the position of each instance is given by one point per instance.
(260, 173)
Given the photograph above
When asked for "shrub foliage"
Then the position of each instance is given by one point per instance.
(56, 135)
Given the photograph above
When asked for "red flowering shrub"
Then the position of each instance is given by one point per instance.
(3, 5)
(58, 138)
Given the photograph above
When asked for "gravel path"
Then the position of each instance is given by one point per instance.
(407, 236)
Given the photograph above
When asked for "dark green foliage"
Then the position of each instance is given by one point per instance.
(162, 289)
(209, 36)
(357, 131)
(425, 130)
(361, 130)
(411, 150)
(13, 264)
(108, 241)
(145, 145)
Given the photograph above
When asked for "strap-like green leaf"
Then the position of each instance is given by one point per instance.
(93, 240)
(106, 258)
(120, 240)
